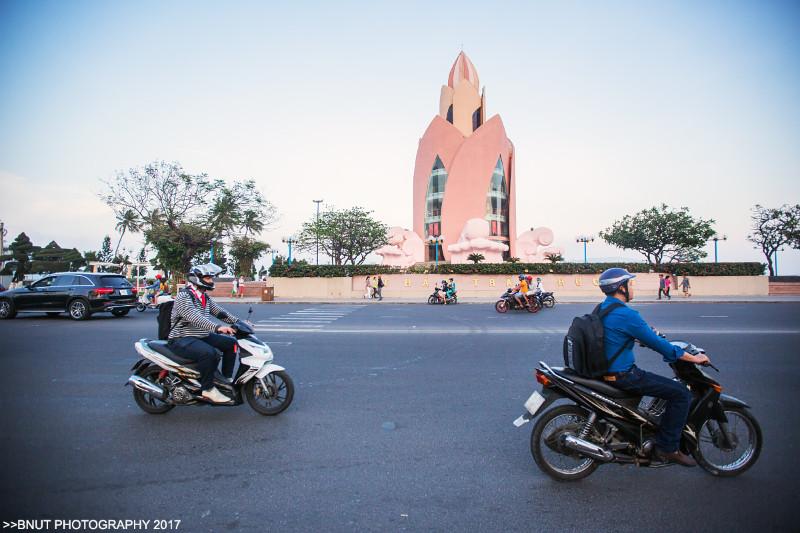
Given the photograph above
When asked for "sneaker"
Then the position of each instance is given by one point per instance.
(215, 396)
(674, 457)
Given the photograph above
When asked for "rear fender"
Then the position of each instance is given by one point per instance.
(140, 365)
(550, 396)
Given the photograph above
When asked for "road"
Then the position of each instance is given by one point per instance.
(401, 421)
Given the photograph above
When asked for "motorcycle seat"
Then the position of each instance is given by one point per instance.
(594, 384)
(162, 348)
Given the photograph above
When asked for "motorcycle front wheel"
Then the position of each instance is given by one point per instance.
(273, 399)
(433, 300)
(141, 307)
(501, 306)
(558, 462)
(719, 458)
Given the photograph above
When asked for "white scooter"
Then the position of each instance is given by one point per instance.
(161, 379)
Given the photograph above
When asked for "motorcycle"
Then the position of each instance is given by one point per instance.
(161, 379)
(546, 299)
(146, 302)
(603, 424)
(434, 298)
(508, 302)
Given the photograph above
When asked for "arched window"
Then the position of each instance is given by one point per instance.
(433, 199)
(450, 114)
(476, 119)
(497, 203)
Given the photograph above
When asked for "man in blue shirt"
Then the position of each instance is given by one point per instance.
(622, 327)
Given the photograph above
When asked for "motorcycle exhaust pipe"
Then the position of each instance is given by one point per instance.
(587, 448)
(146, 386)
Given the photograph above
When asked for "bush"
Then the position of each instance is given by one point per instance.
(295, 270)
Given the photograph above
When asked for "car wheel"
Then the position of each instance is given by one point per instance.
(7, 309)
(120, 312)
(78, 309)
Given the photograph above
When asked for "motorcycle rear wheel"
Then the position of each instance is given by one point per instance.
(746, 433)
(560, 464)
(141, 307)
(274, 400)
(549, 302)
(147, 403)
(501, 306)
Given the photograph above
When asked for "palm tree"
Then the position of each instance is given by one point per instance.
(251, 223)
(127, 221)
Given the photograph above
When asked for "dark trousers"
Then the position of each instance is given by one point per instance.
(660, 292)
(207, 351)
(678, 399)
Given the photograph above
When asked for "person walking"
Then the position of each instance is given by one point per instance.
(240, 293)
(660, 285)
(374, 286)
(379, 289)
(368, 289)
(235, 287)
(686, 286)
(667, 285)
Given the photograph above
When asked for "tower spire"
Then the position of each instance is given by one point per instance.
(463, 70)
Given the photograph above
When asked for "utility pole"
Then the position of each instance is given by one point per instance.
(584, 239)
(717, 238)
(317, 228)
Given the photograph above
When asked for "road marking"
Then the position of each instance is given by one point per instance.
(530, 331)
(713, 316)
(300, 319)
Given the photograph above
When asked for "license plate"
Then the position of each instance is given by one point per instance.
(534, 402)
(124, 292)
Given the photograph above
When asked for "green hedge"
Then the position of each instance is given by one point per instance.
(690, 269)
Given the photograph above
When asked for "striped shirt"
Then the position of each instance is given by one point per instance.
(192, 319)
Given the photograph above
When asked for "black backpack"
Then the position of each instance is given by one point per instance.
(584, 350)
(164, 318)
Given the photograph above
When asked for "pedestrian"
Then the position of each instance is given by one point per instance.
(235, 287)
(380, 288)
(686, 286)
(368, 289)
(660, 285)
(374, 286)
(241, 287)
(667, 285)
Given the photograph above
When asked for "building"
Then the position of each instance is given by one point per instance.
(464, 172)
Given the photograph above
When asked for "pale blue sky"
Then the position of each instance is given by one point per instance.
(690, 103)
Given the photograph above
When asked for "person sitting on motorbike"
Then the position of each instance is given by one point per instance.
(539, 288)
(521, 291)
(622, 327)
(195, 336)
(451, 290)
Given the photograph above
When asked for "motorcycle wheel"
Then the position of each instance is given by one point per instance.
(534, 306)
(432, 300)
(561, 464)
(274, 400)
(141, 307)
(549, 302)
(714, 458)
(501, 306)
(146, 402)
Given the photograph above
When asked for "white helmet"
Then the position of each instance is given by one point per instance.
(197, 273)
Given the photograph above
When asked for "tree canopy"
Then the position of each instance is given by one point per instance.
(346, 236)
(661, 235)
(773, 228)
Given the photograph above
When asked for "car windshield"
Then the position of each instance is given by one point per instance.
(114, 281)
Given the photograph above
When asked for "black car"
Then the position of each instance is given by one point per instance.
(78, 293)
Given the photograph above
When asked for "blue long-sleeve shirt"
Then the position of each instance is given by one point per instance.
(621, 326)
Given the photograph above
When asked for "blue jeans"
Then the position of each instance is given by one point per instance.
(678, 398)
(206, 351)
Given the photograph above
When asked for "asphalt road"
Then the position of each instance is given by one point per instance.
(401, 421)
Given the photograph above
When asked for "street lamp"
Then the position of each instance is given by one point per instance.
(317, 228)
(273, 252)
(584, 239)
(776, 259)
(289, 240)
(436, 240)
(716, 239)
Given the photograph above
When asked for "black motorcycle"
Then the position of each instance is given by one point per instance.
(507, 302)
(434, 298)
(603, 424)
(546, 299)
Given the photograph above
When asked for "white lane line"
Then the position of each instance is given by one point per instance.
(515, 331)
(282, 327)
(302, 318)
(713, 316)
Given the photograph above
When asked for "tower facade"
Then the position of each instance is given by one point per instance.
(464, 170)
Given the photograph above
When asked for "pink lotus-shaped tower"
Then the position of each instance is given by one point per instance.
(464, 168)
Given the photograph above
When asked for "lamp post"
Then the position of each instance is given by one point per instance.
(289, 240)
(273, 252)
(317, 228)
(584, 239)
(776, 259)
(716, 239)
(436, 240)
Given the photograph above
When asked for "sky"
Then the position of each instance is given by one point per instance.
(613, 107)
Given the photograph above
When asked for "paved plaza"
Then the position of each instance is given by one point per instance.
(401, 421)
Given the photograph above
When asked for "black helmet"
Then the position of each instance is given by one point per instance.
(197, 273)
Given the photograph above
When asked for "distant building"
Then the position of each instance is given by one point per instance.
(465, 171)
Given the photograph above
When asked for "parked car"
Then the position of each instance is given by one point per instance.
(80, 294)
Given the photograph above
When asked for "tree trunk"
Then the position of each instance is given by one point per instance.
(118, 243)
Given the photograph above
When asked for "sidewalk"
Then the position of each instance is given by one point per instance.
(485, 300)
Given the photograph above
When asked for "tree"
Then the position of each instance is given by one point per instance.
(22, 250)
(54, 258)
(475, 257)
(181, 214)
(512, 260)
(553, 257)
(245, 251)
(773, 228)
(128, 220)
(346, 236)
(142, 258)
(105, 255)
(661, 234)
